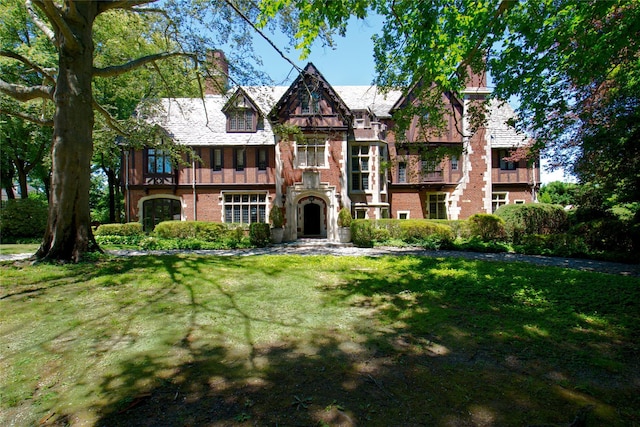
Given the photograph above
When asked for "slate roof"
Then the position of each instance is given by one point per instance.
(198, 122)
(201, 122)
(501, 134)
(368, 98)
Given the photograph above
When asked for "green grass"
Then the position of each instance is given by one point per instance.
(10, 249)
(307, 340)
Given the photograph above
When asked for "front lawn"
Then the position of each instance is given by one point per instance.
(19, 248)
(291, 340)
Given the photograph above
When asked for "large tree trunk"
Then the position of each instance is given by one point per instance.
(68, 235)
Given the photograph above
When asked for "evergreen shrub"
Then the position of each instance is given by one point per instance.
(201, 230)
(128, 229)
(362, 233)
(532, 218)
(259, 234)
(276, 217)
(487, 227)
(392, 226)
(422, 230)
(606, 234)
(459, 227)
(23, 218)
(563, 244)
(344, 218)
(476, 244)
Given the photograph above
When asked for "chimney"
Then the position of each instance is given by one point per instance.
(217, 77)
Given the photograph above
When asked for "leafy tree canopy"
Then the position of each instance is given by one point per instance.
(74, 55)
(574, 65)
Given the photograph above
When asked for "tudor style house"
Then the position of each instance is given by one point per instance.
(312, 148)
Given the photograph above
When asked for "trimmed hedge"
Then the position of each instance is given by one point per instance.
(362, 233)
(418, 231)
(200, 230)
(488, 227)
(424, 232)
(532, 218)
(23, 218)
(128, 229)
(259, 234)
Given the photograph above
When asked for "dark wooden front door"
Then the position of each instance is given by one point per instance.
(311, 219)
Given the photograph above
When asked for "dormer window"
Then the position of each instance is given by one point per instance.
(242, 113)
(242, 120)
(309, 102)
(362, 119)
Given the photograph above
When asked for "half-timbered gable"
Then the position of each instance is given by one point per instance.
(311, 103)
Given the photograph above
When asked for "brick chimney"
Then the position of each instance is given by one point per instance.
(217, 77)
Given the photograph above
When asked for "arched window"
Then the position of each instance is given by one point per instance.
(155, 211)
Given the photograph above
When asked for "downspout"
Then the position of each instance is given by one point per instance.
(193, 186)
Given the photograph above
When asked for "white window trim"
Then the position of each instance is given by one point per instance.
(519, 201)
(446, 204)
(368, 172)
(494, 200)
(223, 204)
(408, 213)
(326, 153)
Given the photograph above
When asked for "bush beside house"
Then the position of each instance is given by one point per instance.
(530, 229)
(276, 218)
(344, 225)
(23, 219)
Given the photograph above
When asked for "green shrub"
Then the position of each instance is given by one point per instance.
(606, 235)
(459, 227)
(128, 229)
(276, 218)
(23, 218)
(119, 240)
(259, 234)
(476, 244)
(563, 244)
(381, 235)
(487, 227)
(532, 218)
(201, 230)
(421, 230)
(392, 226)
(362, 233)
(344, 218)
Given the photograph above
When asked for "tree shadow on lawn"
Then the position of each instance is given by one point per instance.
(447, 342)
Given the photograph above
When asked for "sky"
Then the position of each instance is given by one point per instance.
(350, 62)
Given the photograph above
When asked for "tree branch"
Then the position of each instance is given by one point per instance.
(28, 62)
(25, 93)
(55, 17)
(116, 70)
(111, 121)
(263, 35)
(39, 23)
(122, 4)
(20, 115)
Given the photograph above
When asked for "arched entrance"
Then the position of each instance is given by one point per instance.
(312, 217)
